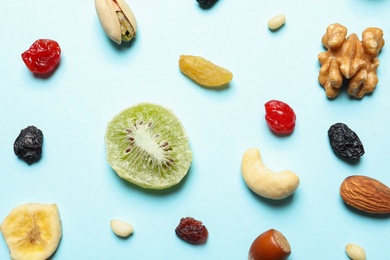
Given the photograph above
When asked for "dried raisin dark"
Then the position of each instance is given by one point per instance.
(345, 142)
(206, 2)
(28, 145)
(192, 231)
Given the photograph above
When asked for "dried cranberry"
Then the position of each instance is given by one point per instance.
(43, 56)
(280, 117)
(192, 231)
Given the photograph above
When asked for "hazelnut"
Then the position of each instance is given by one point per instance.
(270, 245)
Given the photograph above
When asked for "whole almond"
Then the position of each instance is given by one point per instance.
(366, 194)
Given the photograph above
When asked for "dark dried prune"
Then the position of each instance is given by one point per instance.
(28, 145)
(206, 2)
(192, 231)
(345, 142)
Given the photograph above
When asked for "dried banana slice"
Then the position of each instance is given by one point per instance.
(32, 231)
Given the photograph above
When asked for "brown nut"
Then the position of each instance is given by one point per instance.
(351, 59)
(366, 194)
(270, 245)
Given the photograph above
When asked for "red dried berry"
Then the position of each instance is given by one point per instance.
(191, 230)
(43, 56)
(280, 117)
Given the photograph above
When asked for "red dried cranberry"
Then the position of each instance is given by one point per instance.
(191, 230)
(43, 56)
(280, 117)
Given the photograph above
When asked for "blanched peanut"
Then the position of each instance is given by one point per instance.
(355, 252)
(276, 22)
(121, 228)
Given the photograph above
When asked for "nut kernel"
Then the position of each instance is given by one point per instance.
(117, 19)
(121, 228)
(276, 22)
(355, 252)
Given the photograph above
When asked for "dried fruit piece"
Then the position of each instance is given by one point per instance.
(366, 194)
(270, 245)
(345, 142)
(280, 117)
(191, 230)
(32, 231)
(203, 71)
(28, 145)
(147, 145)
(206, 2)
(43, 56)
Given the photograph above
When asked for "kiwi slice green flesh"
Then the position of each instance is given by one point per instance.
(147, 145)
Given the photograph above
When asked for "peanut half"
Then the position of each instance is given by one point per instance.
(121, 228)
(276, 22)
(355, 252)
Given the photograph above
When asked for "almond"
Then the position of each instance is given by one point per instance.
(366, 194)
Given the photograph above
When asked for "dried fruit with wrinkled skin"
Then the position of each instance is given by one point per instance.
(43, 56)
(28, 145)
(191, 230)
(345, 142)
(280, 117)
(366, 194)
(203, 71)
(206, 2)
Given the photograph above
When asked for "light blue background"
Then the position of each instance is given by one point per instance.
(96, 79)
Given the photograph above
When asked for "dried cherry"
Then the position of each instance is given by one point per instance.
(191, 230)
(43, 56)
(280, 117)
(28, 145)
(345, 142)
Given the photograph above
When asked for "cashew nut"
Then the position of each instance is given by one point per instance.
(263, 181)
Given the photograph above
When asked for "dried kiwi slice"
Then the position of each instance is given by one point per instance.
(147, 145)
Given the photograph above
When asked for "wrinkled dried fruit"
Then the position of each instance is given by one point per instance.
(43, 56)
(206, 2)
(28, 145)
(191, 230)
(280, 117)
(203, 71)
(345, 142)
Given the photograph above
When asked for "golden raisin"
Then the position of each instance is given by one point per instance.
(203, 71)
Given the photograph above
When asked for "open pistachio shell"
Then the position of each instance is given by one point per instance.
(107, 14)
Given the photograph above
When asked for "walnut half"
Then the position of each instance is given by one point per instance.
(351, 59)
